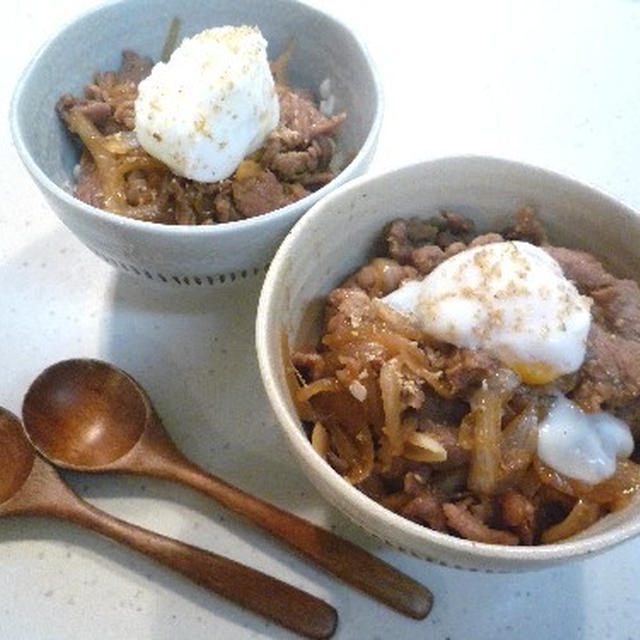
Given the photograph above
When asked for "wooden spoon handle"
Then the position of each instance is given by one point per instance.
(267, 596)
(336, 555)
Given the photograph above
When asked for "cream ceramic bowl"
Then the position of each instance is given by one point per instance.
(340, 233)
(204, 255)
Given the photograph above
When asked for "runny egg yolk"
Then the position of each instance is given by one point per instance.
(509, 299)
(533, 372)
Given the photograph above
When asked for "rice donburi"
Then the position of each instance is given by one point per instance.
(515, 419)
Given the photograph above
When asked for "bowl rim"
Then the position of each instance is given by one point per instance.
(248, 224)
(432, 541)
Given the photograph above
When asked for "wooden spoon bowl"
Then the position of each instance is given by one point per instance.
(84, 416)
(16, 456)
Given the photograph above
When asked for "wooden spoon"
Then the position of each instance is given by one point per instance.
(88, 415)
(30, 486)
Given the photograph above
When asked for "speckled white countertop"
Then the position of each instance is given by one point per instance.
(553, 83)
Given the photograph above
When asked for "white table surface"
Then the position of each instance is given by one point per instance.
(553, 83)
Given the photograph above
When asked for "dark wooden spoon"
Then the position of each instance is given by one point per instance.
(30, 486)
(89, 415)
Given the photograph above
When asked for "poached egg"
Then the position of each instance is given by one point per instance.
(212, 104)
(509, 299)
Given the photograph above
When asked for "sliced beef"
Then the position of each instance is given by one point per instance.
(96, 110)
(109, 101)
(400, 246)
(381, 276)
(308, 164)
(526, 227)
(630, 413)
(299, 113)
(406, 235)
(295, 163)
(444, 411)
(610, 375)
(518, 513)
(179, 202)
(424, 244)
(462, 521)
(457, 223)
(425, 259)
(224, 207)
(453, 248)
(583, 269)
(279, 140)
(348, 307)
(465, 369)
(260, 193)
(618, 304)
(120, 96)
(426, 508)
(133, 68)
(421, 503)
(486, 238)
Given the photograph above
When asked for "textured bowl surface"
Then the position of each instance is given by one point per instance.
(340, 233)
(325, 48)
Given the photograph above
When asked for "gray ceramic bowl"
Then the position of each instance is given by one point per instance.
(94, 42)
(339, 234)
